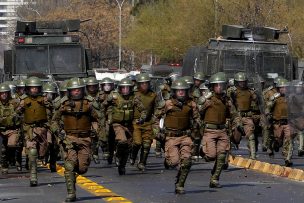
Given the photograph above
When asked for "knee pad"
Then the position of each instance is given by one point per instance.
(69, 166)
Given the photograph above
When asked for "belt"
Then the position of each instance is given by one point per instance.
(281, 122)
(81, 134)
(246, 113)
(177, 133)
(215, 126)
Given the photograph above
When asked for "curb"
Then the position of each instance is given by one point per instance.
(265, 167)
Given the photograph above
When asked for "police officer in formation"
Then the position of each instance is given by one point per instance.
(76, 113)
(187, 116)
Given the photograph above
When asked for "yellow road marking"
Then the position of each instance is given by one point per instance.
(95, 189)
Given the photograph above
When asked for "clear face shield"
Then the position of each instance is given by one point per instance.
(219, 88)
(125, 90)
(76, 93)
(4, 96)
(181, 95)
(107, 87)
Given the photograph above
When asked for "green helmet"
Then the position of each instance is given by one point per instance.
(85, 80)
(277, 79)
(174, 76)
(125, 82)
(240, 77)
(180, 84)
(143, 77)
(132, 77)
(219, 77)
(106, 81)
(199, 76)
(4, 87)
(203, 87)
(63, 86)
(33, 82)
(49, 88)
(282, 83)
(188, 80)
(21, 83)
(74, 83)
(92, 81)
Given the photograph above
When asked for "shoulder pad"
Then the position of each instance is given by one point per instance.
(64, 99)
(90, 98)
(161, 104)
(115, 95)
(57, 99)
(23, 96)
(275, 96)
(161, 87)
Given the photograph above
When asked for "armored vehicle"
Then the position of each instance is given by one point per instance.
(47, 48)
(252, 50)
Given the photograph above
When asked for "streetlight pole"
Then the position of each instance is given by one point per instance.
(120, 4)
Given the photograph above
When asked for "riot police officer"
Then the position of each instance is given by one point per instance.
(9, 126)
(277, 111)
(245, 100)
(106, 86)
(215, 111)
(142, 133)
(92, 87)
(34, 106)
(181, 123)
(50, 93)
(75, 112)
(122, 105)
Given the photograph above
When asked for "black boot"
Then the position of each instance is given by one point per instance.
(182, 176)
(145, 149)
(134, 152)
(122, 154)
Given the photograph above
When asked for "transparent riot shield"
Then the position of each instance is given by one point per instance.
(295, 100)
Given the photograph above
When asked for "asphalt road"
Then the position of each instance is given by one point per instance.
(157, 184)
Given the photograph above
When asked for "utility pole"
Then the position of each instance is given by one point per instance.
(120, 4)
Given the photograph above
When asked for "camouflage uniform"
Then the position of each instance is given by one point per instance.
(181, 121)
(20, 91)
(50, 94)
(122, 107)
(277, 109)
(245, 101)
(107, 86)
(9, 127)
(215, 109)
(35, 126)
(296, 113)
(142, 133)
(96, 131)
(76, 114)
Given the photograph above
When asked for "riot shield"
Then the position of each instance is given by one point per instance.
(295, 100)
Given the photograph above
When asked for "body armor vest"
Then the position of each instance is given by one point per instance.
(35, 110)
(76, 115)
(178, 118)
(280, 110)
(123, 109)
(148, 101)
(243, 100)
(216, 113)
(7, 110)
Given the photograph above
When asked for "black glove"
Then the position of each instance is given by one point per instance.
(241, 130)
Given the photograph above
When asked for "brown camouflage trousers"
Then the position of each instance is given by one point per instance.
(37, 138)
(248, 126)
(77, 153)
(142, 132)
(177, 149)
(215, 142)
